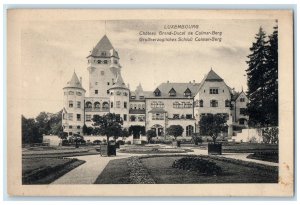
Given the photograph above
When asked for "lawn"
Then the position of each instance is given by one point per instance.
(152, 150)
(46, 170)
(264, 156)
(54, 152)
(159, 168)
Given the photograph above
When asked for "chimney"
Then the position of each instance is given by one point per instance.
(190, 82)
(128, 86)
(168, 81)
(81, 80)
(194, 82)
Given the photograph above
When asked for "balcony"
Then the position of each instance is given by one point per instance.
(182, 118)
(96, 109)
(137, 111)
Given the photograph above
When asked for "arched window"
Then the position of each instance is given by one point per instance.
(143, 106)
(97, 105)
(139, 106)
(189, 130)
(88, 104)
(70, 103)
(105, 105)
(131, 106)
(201, 103)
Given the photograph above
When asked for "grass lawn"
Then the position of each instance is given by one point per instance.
(152, 150)
(116, 172)
(264, 156)
(46, 170)
(160, 169)
(54, 152)
(248, 147)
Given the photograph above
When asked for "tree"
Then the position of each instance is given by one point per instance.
(109, 125)
(262, 79)
(175, 130)
(30, 131)
(150, 134)
(256, 79)
(125, 133)
(272, 80)
(136, 130)
(212, 125)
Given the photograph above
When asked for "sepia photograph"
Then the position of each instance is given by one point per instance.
(146, 98)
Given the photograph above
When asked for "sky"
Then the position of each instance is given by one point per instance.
(52, 50)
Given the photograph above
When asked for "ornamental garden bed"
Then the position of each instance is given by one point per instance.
(153, 150)
(160, 169)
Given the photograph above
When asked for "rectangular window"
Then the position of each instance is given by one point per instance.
(125, 104)
(70, 103)
(157, 116)
(78, 104)
(213, 103)
(242, 99)
(118, 103)
(107, 91)
(125, 117)
(189, 116)
(88, 117)
(78, 127)
(78, 116)
(107, 83)
(102, 72)
(242, 111)
(96, 91)
(176, 116)
(213, 91)
(70, 116)
(111, 105)
(70, 127)
(70, 133)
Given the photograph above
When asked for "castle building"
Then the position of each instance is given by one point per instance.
(168, 104)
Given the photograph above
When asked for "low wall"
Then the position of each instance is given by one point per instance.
(248, 135)
(52, 140)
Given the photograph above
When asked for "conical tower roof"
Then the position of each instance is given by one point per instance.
(119, 82)
(212, 76)
(74, 82)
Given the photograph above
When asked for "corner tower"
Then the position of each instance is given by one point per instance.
(73, 111)
(103, 67)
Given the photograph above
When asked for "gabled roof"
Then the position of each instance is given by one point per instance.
(172, 90)
(187, 91)
(157, 90)
(74, 82)
(212, 76)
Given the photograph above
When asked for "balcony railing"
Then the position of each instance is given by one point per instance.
(182, 118)
(136, 111)
(96, 109)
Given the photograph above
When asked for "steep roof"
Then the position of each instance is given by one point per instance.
(104, 45)
(180, 88)
(119, 82)
(212, 76)
(74, 82)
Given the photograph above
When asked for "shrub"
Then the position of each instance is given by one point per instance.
(197, 164)
(143, 142)
(121, 142)
(97, 142)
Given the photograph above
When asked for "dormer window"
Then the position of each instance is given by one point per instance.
(157, 92)
(187, 93)
(172, 92)
(103, 53)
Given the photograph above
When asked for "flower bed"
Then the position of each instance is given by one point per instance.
(197, 164)
(138, 173)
